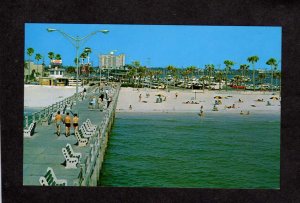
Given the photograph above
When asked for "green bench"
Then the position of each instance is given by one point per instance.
(49, 179)
(71, 158)
(30, 131)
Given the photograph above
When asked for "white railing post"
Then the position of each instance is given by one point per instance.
(33, 117)
(26, 121)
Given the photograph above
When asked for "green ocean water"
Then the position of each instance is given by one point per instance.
(184, 150)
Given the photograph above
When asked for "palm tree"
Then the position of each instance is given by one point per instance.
(253, 60)
(51, 56)
(228, 65)
(192, 70)
(87, 51)
(219, 78)
(136, 64)
(131, 73)
(37, 58)
(57, 57)
(244, 68)
(261, 77)
(83, 56)
(203, 79)
(172, 70)
(277, 76)
(185, 73)
(141, 72)
(70, 69)
(237, 79)
(30, 51)
(272, 62)
(150, 73)
(210, 68)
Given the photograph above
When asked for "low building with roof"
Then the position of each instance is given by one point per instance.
(56, 75)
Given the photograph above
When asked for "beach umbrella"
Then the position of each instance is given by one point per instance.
(217, 97)
(274, 98)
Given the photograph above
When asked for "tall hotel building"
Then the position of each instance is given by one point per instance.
(112, 61)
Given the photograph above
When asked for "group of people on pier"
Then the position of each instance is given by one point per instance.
(67, 121)
(102, 102)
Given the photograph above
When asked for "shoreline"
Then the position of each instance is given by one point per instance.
(256, 112)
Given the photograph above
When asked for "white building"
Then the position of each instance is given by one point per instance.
(56, 72)
(112, 61)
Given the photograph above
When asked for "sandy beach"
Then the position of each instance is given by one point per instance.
(130, 96)
(187, 101)
(42, 96)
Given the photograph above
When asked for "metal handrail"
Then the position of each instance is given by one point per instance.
(98, 143)
(45, 112)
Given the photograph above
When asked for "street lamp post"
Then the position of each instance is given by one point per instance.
(99, 70)
(77, 42)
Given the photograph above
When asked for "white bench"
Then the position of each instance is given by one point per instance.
(71, 161)
(90, 125)
(50, 179)
(72, 153)
(30, 131)
(69, 105)
(84, 132)
(87, 128)
(81, 141)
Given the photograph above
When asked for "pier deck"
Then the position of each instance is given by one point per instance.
(44, 148)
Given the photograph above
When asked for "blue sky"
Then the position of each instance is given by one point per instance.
(161, 45)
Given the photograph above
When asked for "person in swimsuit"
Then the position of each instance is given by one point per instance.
(75, 122)
(68, 124)
(58, 121)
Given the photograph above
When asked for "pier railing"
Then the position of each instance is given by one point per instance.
(47, 111)
(92, 163)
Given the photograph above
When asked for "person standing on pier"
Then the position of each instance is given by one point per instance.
(58, 121)
(102, 97)
(68, 124)
(109, 100)
(75, 122)
(140, 97)
(84, 93)
(106, 94)
(100, 103)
